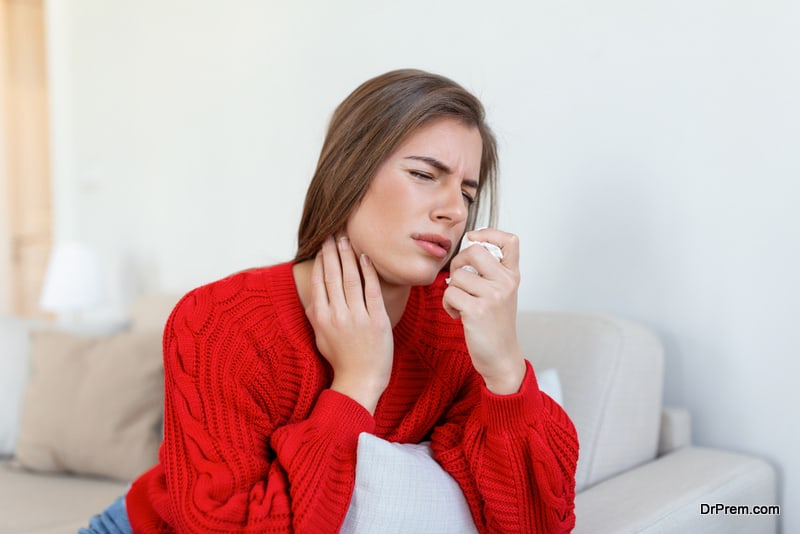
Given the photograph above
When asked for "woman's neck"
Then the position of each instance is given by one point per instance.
(395, 297)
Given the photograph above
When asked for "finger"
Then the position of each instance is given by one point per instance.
(481, 260)
(332, 273)
(468, 282)
(508, 243)
(319, 294)
(351, 277)
(373, 297)
(456, 300)
(452, 312)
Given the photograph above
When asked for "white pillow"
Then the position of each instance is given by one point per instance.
(401, 488)
(550, 383)
(14, 362)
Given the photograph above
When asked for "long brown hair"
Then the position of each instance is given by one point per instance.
(366, 128)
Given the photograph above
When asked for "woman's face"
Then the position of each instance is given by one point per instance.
(415, 209)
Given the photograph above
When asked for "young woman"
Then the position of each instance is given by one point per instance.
(271, 374)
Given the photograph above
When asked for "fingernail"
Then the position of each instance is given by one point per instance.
(344, 243)
(364, 260)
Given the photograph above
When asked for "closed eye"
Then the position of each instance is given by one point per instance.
(421, 175)
(470, 200)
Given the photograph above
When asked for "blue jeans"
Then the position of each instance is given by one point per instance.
(113, 520)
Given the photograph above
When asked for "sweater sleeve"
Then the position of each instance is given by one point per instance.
(514, 457)
(231, 466)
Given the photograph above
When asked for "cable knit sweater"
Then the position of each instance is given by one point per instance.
(254, 441)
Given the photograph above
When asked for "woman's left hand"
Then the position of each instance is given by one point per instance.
(487, 305)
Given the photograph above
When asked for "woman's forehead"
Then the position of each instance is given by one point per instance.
(448, 141)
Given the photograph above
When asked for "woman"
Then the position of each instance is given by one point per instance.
(271, 374)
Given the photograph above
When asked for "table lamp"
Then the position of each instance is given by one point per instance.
(73, 281)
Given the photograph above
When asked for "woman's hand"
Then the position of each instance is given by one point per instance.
(352, 328)
(487, 305)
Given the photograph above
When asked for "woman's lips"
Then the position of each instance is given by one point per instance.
(434, 245)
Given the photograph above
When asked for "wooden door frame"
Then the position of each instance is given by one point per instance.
(6, 286)
(25, 185)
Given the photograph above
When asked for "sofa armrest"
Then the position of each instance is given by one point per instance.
(676, 430)
(668, 494)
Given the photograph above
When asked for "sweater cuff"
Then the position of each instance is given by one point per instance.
(343, 415)
(514, 412)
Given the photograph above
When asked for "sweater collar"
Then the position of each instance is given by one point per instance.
(293, 318)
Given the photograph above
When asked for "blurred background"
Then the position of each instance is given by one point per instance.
(650, 161)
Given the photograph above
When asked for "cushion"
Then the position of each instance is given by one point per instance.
(612, 373)
(668, 495)
(550, 383)
(401, 488)
(151, 311)
(14, 350)
(51, 504)
(93, 405)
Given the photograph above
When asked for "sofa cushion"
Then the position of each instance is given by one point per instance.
(14, 349)
(611, 372)
(93, 405)
(550, 383)
(37, 503)
(400, 488)
(151, 311)
(668, 494)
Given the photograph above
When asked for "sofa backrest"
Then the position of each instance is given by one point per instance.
(611, 373)
(151, 311)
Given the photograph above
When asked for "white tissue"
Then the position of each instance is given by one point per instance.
(466, 243)
(494, 249)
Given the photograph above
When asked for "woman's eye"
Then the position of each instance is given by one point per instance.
(469, 199)
(421, 175)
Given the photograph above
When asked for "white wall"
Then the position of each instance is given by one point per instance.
(649, 158)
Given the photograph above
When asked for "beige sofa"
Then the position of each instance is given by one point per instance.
(638, 471)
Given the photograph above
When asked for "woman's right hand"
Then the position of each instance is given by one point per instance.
(353, 331)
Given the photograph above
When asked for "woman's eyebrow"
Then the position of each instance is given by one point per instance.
(433, 162)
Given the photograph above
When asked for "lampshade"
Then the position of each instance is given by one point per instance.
(73, 281)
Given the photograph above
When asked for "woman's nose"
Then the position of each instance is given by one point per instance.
(451, 205)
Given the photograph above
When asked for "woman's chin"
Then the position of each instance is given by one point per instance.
(418, 275)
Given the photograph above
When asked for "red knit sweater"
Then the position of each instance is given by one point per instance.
(256, 442)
